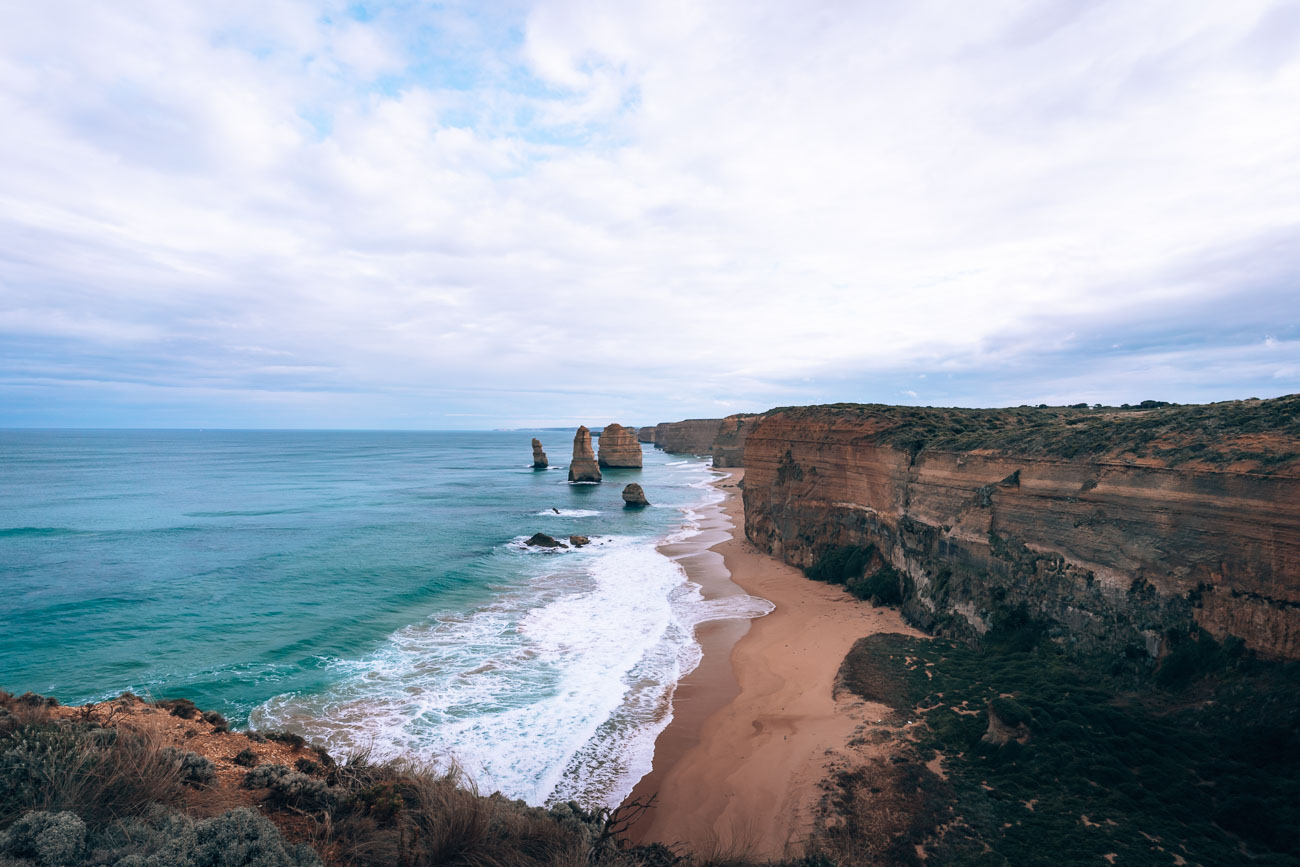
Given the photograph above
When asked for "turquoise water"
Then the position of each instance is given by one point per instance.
(368, 589)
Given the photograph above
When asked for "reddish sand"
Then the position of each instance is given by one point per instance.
(738, 769)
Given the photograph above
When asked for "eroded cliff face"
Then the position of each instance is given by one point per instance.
(645, 434)
(728, 447)
(1116, 553)
(619, 447)
(693, 436)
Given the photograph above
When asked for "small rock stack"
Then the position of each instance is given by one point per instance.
(634, 497)
(539, 456)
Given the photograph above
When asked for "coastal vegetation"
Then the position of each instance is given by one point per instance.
(103, 784)
(1051, 761)
(1257, 434)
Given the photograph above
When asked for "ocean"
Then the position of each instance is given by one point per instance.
(370, 590)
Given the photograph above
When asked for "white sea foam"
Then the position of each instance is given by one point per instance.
(557, 690)
(569, 513)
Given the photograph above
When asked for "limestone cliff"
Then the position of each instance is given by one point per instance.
(728, 447)
(694, 436)
(645, 434)
(1119, 529)
(583, 467)
(619, 447)
(539, 456)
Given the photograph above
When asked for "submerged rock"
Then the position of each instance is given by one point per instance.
(541, 540)
(579, 541)
(634, 497)
(539, 456)
(619, 447)
(583, 467)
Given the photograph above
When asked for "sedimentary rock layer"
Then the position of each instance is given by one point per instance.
(619, 447)
(1179, 518)
(539, 456)
(694, 436)
(645, 434)
(583, 467)
(728, 447)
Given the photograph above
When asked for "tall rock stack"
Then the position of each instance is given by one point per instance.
(619, 447)
(539, 456)
(646, 434)
(583, 467)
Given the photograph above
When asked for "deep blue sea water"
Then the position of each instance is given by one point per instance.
(369, 589)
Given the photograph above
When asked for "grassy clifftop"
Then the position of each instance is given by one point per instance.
(1257, 436)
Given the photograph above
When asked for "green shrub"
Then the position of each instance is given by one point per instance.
(883, 587)
(307, 766)
(46, 839)
(245, 757)
(217, 720)
(1189, 659)
(264, 776)
(1010, 711)
(100, 774)
(196, 770)
(181, 707)
(294, 741)
(840, 563)
(238, 838)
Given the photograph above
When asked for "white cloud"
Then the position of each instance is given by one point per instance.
(678, 204)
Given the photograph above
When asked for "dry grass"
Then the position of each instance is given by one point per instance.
(103, 775)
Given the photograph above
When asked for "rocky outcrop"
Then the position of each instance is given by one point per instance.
(579, 541)
(645, 434)
(728, 447)
(619, 447)
(539, 456)
(583, 467)
(541, 540)
(1117, 532)
(634, 497)
(694, 436)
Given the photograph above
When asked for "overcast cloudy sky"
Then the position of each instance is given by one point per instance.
(270, 213)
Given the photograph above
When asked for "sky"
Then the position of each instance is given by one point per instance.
(283, 214)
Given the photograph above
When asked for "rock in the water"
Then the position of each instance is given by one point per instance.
(619, 447)
(579, 541)
(583, 467)
(539, 456)
(633, 496)
(541, 540)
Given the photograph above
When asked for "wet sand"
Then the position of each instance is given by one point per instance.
(757, 726)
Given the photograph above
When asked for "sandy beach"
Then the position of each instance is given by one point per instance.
(757, 726)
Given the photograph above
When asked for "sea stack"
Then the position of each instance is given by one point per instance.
(583, 467)
(539, 456)
(634, 497)
(619, 447)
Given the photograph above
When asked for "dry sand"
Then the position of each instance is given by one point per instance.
(738, 769)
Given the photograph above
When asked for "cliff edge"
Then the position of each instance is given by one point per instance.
(1116, 530)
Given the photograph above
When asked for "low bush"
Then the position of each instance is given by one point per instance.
(196, 770)
(100, 774)
(883, 587)
(238, 838)
(839, 564)
(292, 740)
